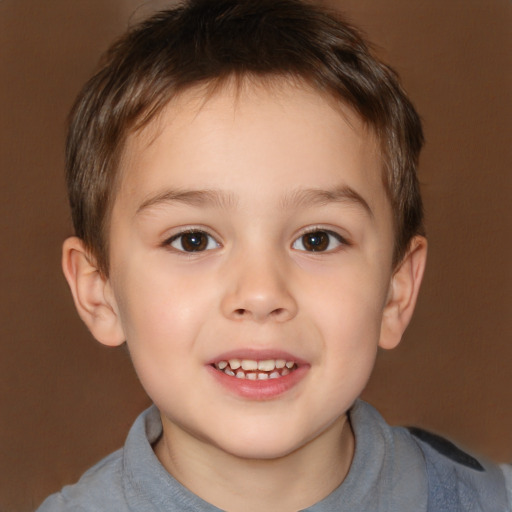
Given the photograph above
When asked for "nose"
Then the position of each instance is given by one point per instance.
(257, 289)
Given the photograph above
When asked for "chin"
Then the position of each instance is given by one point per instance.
(258, 451)
(261, 445)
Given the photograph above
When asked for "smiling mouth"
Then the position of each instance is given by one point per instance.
(252, 369)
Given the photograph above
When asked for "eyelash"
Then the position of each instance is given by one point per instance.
(204, 241)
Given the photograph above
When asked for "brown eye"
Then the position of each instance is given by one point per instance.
(193, 241)
(318, 241)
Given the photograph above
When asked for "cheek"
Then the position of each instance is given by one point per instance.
(161, 312)
(348, 299)
(348, 314)
(160, 318)
(351, 344)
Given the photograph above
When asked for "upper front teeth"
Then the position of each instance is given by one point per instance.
(247, 364)
(235, 364)
(267, 365)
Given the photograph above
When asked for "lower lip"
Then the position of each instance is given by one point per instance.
(266, 389)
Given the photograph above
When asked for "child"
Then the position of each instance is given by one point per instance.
(242, 178)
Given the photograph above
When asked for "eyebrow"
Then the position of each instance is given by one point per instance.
(204, 198)
(299, 198)
(321, 197)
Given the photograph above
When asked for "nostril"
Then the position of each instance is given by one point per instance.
(239, 312)
(277, 312)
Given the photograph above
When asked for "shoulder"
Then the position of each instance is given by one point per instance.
(99, 488)
(456, 478)
(128, 479)
(112, 482)
(419, 470)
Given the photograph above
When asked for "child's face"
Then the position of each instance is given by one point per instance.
(212, 239)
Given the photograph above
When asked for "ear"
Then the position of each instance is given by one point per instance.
(92, 293)
(403, 292)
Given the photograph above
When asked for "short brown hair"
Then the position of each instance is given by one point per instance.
(209, 41)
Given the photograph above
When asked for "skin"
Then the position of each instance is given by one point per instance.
(262, 156)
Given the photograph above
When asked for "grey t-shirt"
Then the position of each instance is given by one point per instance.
(392, 471)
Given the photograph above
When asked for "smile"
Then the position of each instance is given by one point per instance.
(258, 374)
(252, 369)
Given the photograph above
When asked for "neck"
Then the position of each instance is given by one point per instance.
(289, 483)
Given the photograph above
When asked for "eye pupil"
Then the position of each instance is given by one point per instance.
(317, 241)
(194, 241)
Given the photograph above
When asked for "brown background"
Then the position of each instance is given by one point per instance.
(66, 401)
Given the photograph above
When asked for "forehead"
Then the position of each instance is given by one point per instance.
(237, 133)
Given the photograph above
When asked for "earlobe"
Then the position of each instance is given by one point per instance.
(92, 293)
(403, 293)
